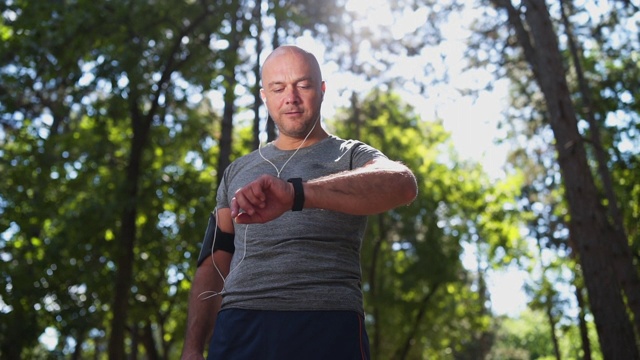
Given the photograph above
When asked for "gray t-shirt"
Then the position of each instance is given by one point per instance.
(303, 260)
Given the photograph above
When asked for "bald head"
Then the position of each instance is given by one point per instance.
(283, 52)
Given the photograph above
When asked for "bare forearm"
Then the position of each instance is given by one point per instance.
(201, 319)
(375, 188)
(204, 304)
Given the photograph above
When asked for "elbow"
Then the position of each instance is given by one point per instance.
(401, 183)
(411, 194)
(409, 189)
(405, 187)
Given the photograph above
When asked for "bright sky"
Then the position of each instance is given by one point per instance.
(471, 121)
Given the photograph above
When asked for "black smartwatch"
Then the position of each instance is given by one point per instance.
(298, 194)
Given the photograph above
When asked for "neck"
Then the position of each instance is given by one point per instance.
(284, 142)
(318, 136)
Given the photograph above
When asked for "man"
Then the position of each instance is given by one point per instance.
(295, 213)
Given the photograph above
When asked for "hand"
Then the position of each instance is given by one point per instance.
(262, 200)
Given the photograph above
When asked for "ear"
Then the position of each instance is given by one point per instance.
(263, 96)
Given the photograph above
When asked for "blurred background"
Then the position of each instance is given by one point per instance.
(519, 118)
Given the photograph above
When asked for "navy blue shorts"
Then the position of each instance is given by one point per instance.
(282, 335)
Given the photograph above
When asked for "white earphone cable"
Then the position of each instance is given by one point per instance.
(209, 294)
(278, 172)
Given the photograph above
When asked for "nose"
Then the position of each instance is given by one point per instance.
(292, 96)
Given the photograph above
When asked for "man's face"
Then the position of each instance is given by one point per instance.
(293, 91)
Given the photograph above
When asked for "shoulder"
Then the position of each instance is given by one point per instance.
(343, 144)
(347, 143)
(359, 145)
(358, 152)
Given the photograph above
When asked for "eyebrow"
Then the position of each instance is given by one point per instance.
(301, 79)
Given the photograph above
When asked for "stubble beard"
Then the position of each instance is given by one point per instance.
(297, 130)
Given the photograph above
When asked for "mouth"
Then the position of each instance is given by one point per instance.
(293, 112)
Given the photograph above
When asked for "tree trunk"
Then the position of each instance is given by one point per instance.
(149, 343)
(127, 237)
(226, 131)
(141, 126)
(487, 337)
(626, 272)
(135, 340)
(548, 293)
(231, 61)
(584, 333)
(356, 114)
(591, 229)
(275, 42)
(98, 346)
(77, 350)
(257, 102)
(403, 351)
(548, 306)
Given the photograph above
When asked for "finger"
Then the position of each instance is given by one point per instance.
(242, 204)
(247, 202)
(251, 197)
(243, 218)
(256, 195)
(235, 209)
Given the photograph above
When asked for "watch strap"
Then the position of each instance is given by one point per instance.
(298, 194)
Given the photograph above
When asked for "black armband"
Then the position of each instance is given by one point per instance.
(223, 240)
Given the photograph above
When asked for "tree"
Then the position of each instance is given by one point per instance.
(589, 223)
(419, 299)
(94, 81)
(626, 272)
